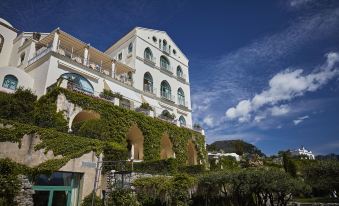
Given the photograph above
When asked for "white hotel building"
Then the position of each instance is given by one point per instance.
(144, 66)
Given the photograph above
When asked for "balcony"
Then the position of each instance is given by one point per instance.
(76, 52)
(149, 61)
(182, 103)
(40, 53)
(165, 49)
(181, 77)
(150, 89)
(166, 68)
(167, 96)
(124, 78)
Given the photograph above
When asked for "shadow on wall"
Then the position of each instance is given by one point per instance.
(192, 154)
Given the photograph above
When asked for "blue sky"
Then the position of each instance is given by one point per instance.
(264, 71)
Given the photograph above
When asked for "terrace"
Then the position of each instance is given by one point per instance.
(83, 55)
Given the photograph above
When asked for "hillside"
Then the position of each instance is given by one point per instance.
(237, 146)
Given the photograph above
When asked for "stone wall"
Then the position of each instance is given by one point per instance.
(25, 195)
(24, 152)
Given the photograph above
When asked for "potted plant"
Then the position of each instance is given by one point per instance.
(167, 115)
(146, 109)
(109, 95)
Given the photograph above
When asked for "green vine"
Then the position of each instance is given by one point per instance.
(67, 145)
(115, 123)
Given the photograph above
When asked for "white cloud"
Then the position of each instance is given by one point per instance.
(300, 119)
(285, 86)
(298, 3)
(209, 121)
(235, 76)
(279, 110)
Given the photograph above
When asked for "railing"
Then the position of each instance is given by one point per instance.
(182, 102)
(150, 89)
(181, 77)
(166, 49)
(124, 78)
(166, 67)
(71, 54)
(149, 60)
(40, 53)
(167, 119)
(168, 96)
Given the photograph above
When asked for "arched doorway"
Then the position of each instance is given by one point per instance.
(192, 155)
(166, 146)
(135, 143)
(82, 116)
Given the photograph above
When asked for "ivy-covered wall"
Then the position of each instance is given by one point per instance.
(107, 134)
(115, 122)
(68, 145)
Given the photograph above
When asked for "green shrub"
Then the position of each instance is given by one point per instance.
(18, 106)
(87, 201)
(168, 166)
(122, 197)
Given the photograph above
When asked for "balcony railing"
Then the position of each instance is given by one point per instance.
(166, 68)
(40, 53)
(181, 77)
(167, 119)
(166, 49)
(182, 103)
(124, 78)
(149, 60)
(168, 96)
(150, 89)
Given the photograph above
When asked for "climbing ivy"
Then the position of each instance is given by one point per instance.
(67, 145)
(106, 134)
(115, 123)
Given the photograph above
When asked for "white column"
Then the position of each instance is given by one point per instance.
(86, 56)
(55, 41)
(113, 69)
(132, 152)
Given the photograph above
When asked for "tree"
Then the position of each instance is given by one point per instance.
(288, 164)
(323, 176)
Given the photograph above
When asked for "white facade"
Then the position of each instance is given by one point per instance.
(37, 60)
(303, 152)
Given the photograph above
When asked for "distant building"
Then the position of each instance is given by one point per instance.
(303, 152)
(218, 155)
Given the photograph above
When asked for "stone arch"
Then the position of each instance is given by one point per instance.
(82, 115)
(166, 147)
(135, 143)
(192, 154)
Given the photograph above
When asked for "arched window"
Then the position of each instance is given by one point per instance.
(10, 82)
(148, 82)
(182, 121)
(76, 81)
(2, 40)
(181, 97)
(164, 63)
(165, 90)
(179, 72)
(148, 54)
(130, 47)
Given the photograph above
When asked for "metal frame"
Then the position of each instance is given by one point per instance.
(100, 166)
(51, 190)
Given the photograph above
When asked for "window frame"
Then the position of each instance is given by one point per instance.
(8, 82)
